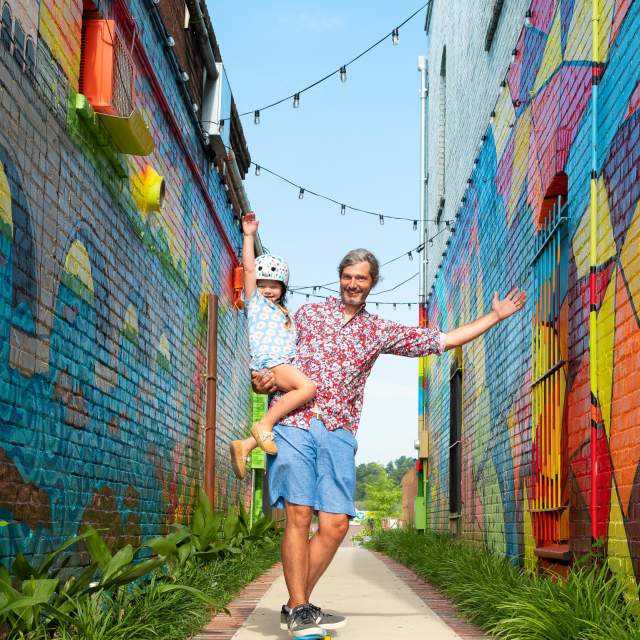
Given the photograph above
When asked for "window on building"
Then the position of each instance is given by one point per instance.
(496, 10)
(19, 42)
(455, 433)
(549, 269)
(442, 128)
(30, 56)
(6, 34)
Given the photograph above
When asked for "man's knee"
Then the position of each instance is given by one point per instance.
(335, 527)
(298, 516)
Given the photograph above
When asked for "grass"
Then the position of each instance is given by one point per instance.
(148, 613)
(508, 603)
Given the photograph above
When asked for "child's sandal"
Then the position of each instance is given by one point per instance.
(265, 439)
(238, 459)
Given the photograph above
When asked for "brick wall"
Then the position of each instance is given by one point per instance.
(542, 127)
(103, 325)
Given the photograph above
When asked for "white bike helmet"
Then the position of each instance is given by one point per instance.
(270, 267)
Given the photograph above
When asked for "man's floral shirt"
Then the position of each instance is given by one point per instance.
(338, 357)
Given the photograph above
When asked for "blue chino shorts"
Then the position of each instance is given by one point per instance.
(314, 467)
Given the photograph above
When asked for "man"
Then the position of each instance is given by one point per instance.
(338, 343)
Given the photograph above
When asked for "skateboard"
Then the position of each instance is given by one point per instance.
(314, 636)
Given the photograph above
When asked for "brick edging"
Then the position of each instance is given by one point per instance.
(224, 627)
(440, 604)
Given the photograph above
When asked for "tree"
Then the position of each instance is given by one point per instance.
(398, 467)
(366, 473)
(384, 496)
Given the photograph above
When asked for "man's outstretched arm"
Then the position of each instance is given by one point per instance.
(500, 310)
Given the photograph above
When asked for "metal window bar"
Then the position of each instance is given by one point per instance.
(455, 432)
(549, 275)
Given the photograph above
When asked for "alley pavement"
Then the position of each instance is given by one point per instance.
(377, 600)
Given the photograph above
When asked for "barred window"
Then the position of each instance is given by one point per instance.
(455, 433)
(549, 348)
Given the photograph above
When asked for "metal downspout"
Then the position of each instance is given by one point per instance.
(424, 260)
(211, 400)
(197, 19)
(593, 261)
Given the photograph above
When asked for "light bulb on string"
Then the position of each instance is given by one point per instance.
(410, 256)
(296, 100)
(301, 194)
(381, 219)
(527, 18)
(343, 209)
(395, 37)
(415, 225)
(409, 305)
(343, 74)
(257, 169)
(514, 53)
(377, 305)
(307, 296)
(256, 116)
(492, 118)
(221, 125)
(395, 306)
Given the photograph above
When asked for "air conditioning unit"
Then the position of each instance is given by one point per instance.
(107, 72)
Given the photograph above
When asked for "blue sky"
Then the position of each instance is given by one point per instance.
(356, 141)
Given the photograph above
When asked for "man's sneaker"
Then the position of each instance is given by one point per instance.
(328, 621)
(302, 622)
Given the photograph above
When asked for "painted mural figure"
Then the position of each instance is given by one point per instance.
(272, 341)
(338, 344)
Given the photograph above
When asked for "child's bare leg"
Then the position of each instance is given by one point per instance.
(298, 390)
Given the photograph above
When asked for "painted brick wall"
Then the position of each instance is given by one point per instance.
(103, 322)
(542, 127)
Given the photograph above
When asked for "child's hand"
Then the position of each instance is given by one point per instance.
(250, 224)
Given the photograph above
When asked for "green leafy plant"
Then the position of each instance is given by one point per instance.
(498, 595)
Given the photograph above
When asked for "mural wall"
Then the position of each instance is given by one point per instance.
(103, 321)
(542, 131)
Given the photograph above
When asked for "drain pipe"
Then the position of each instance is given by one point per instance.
(211, 400)
(596, 70)
(200, 26)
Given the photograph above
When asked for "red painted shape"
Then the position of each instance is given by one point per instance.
(129, 26)
(622, 6)
(634, 102)
(602, 484)
(542, 12)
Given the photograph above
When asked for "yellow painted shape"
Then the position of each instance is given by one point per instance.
(580, 245)
(505, 115)
(6, 215)
(618, 555)
(530, 559)
(606, 334)
(606, 22)
(131, 320)
(77, 264)
(579, 34)
(629, 258)
(163, 347)
(552, 56)
(60, 22)
(520, 161)
(493, 510)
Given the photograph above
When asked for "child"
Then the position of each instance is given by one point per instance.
(272, 342)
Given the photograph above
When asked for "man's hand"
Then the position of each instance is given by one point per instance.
(508, 306)
(250, 224)
(263, 381)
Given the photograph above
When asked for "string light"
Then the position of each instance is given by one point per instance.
(415, 225)
(296, 100)
(170, 42)
(527, 18)
(394, 34)
(221, 125)
(343, 210)
(514, 53)
(395, 306)
(257, 169)
(410, 256)
(301, 193)
(256, 116)
(184, 76)
(492, 118)
(381, 219)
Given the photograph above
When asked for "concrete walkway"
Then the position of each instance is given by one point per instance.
(378, 602)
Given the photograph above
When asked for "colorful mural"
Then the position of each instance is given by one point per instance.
(102, 333)
(543, 129)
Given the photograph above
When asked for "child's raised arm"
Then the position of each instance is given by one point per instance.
(249, 230)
